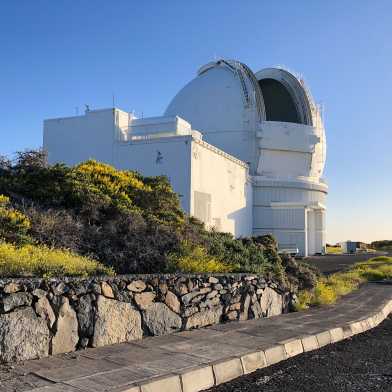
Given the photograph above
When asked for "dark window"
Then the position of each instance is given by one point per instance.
(279, 105)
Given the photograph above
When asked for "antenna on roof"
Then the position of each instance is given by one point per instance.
(113, 101)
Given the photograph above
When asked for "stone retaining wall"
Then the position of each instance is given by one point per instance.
(41, 317)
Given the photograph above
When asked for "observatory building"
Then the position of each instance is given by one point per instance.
(245, 151)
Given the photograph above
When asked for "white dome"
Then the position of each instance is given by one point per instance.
(267, 119)
(220, 103)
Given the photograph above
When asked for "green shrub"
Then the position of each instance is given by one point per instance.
(129, 222)
(31, 260)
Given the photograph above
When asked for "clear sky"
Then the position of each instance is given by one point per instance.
(56, 56)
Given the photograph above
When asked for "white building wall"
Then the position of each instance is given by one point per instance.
(221, 190)
(75, 139)
(169, 156)
(212, 185)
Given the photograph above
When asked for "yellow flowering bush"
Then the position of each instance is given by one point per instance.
(40, 261)
(14, 225)
(197, 260)
(113, 186)
(329, 289)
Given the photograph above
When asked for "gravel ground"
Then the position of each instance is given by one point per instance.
(329, 264)
(362, 363)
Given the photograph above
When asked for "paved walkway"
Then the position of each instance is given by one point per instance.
(195, 360)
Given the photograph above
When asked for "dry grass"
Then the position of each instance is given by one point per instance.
(329, 289)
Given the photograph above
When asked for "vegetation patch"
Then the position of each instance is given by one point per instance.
(328, 289)
(333, 250)
(128, 222)
(40, 261)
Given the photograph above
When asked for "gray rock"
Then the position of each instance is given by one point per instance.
(12, 288)
(236, 306)
(15, 300)
(172, 302)
(256, 310)
(84, 342)
(160, 320)
(85, 314)
(204, 318)
(45, 311)
(188, 298)
(124, 296)
(106, 289)
(23, 336)
(212, 294)
(271, 302)
(115, 322)
(245, 308)
(66, 337)
(137, 286)
(95, 288)
(218, 287)
(212, 279)
(232, 315)
(163, 288)
(60, 289)
(190, 311)
(39, 293)
(182, 289)
(144, 300)
(211, 302)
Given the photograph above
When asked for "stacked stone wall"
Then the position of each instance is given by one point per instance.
(40, 317)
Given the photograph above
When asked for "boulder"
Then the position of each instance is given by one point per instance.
(160, 320)
(59, 289)
(85, 314)
(172, 302)
(115, 322)
(271, 302)
(204, 318)
(15, 300)
(144, 300)
(195, 296)
(256, 310)
(45, 311)
(12, 288)
(137, 286)
(232, 315)
(39, 293)
(107, 290)
(23, 336)
(212, 294)
(66, 337)
(245, 308)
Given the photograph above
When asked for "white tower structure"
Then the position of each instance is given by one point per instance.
(269, 120)
(245, 151)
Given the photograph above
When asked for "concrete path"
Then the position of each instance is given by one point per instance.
(190, 361)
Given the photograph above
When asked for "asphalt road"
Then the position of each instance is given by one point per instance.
(329, 264)
(360, 364)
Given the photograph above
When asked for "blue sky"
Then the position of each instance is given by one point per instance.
(56, 56)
